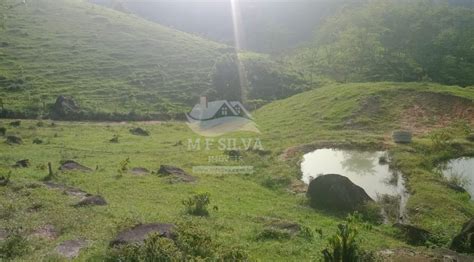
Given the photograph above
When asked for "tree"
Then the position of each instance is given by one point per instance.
(229, 79)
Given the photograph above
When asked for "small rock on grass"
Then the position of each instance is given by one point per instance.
(14, 140)
(91, 201)
(24, 163)
(139, 233)
(71, 248)
(71, 165)
(46, 232)
(138, 171)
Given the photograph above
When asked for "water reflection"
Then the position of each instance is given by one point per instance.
(461, 172)
(361, 167)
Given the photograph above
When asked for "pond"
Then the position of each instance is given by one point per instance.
(366, 169)
(461, 172)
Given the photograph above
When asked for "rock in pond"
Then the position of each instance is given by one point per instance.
(177, 173)
(71, 165)
(464, 241)
(413, 235)
(91, 201)
(336, 192)
(139, 233)
(71, 248)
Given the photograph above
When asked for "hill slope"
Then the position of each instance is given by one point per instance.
(366, 108)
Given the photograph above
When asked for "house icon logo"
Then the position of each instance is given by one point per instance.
(220, 117)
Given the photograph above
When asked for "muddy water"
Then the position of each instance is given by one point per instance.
(462, 170)
(363, 168)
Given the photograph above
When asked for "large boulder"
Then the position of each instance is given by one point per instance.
(336, 192)
(64, 106)
(464, 241)
(139, 233)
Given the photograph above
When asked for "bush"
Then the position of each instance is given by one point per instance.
(440, 139)
(197, 204)
(190, 244)
(3, 131)
(14, 246)
(343, 245)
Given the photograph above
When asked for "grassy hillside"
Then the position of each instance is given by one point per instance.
(115, 65)
(107, 60)
(245, 203)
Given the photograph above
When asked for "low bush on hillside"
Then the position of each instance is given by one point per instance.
(190, 244)
(197, 204)
(13, 246)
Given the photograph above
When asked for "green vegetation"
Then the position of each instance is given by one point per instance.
(311, 118)
(114, 65)
(391, 40)
(197, 204)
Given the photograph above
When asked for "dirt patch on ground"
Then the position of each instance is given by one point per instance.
(47, 232)
(70, 191)
(139, 171)
(71, 248)
(407, 255)
(436, 110)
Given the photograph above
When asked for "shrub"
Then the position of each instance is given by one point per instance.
(197, 204)
(190, 244)
(3, 131)
(14, 246)
(440, 139)
(37, 141)
(123, 166)
(343, 245)
(115, 139)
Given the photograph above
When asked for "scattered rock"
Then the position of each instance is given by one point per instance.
(177, 173)
(456, 188)
(470, 137)
(139, 233)
(46, 232)
(14, 140)
(402, 137)
(71, 248)
(24, 163)
(70, 165)
(336, 192)
(4, 180)
(34, 208)
(37, 141)
(139, 131)
(15, 123)
(64, 106)
(413, 235)
(91, 201)
(464, 241)
(71, 191)
(3, 234)
(139, 171)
